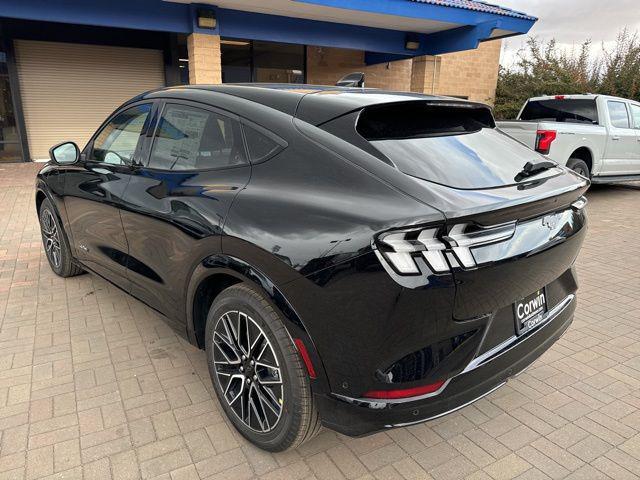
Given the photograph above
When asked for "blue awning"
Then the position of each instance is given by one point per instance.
(385, 29)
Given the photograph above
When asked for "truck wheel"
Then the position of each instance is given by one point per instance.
(579, 166)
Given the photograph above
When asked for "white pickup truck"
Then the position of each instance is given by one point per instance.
(596, 135)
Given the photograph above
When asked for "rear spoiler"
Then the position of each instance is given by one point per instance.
(319, 108)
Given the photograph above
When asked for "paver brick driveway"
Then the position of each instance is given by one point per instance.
(94, 385)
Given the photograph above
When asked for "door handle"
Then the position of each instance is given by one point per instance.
(615, 138)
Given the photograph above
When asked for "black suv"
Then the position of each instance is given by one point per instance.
(352, 258)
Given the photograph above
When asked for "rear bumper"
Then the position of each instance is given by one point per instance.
(357, 417)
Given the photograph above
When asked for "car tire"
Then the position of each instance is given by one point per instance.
(579, 166)
(246, 387)
(56, 245)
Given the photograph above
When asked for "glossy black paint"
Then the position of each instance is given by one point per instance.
(300, 227)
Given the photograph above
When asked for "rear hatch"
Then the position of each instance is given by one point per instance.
(514, 220)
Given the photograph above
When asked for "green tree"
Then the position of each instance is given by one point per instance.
(620, 72)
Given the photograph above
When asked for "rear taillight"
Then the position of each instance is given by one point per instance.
(401, 249)
(580, 203)
(406, 392)
(424, 251)
(544, 139)
(463, 237)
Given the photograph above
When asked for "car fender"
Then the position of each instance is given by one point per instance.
(245, 272)
(58, 207)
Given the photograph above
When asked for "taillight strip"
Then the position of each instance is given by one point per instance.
(462, 242)
(405, 392)
(580, 203)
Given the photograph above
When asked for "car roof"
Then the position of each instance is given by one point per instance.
(315, 104)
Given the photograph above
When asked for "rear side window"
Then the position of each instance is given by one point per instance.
(191, 138)
(260, 146)
(450, 145)
(618, 114)
(561, 110)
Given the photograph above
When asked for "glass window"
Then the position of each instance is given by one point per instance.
(561, 110)
(259, 145)
(635, 114)
(278, 62)
(117, 141)
(8, 130)
(258, 61)
(190, 138)
(236, 61)
(3, 63)
(618, 114)
(10, 146)
(449, 145)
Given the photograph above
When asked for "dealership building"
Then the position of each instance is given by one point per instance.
(67, 64)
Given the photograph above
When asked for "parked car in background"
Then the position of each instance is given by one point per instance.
(354, 258)
(598, 136)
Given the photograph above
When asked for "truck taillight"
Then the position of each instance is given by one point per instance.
(544, 138)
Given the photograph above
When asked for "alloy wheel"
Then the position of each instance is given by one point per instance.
(51, 238)
(248, 371)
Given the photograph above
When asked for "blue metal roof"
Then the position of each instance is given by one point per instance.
(479, 7)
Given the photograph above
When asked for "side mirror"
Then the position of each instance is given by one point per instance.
(65, 153)
(355, 79)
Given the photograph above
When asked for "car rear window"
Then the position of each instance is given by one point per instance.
(567, 110)
(452, 145)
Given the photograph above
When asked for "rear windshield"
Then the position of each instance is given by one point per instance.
(561, 110)
(453, 146)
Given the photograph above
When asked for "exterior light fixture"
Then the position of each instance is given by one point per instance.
(207, 19)
(412, 44)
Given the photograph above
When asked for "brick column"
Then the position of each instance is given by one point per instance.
(425, 74)
(204, 58)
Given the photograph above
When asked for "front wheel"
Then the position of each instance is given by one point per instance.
(257, 373)
(579, 166)
(55, 242)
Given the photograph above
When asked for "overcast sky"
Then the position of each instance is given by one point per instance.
(571, 22)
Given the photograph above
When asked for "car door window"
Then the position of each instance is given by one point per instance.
(191, 138)
(635, 114)
(117, 141)
(618, 114)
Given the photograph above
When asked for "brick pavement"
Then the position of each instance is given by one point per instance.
(94, 385)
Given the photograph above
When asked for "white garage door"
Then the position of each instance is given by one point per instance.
(68, 89)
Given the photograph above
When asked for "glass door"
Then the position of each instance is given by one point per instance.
(10, 146)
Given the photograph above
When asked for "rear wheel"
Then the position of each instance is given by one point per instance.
(579, 166)
(55, 242)
(257, 372)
